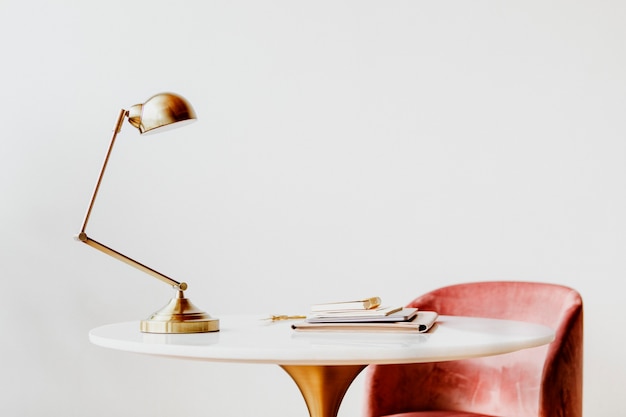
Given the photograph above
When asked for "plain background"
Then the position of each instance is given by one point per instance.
(343, 149)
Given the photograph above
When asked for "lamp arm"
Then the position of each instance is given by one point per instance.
(121, 257)
(82, 236)
(118, 127)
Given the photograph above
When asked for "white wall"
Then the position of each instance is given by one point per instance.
(344, 148)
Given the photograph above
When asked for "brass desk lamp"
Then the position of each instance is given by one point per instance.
(160, 112)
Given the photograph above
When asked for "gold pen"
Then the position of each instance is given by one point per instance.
(285, 317)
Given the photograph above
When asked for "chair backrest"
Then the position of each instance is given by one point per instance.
(545, 381)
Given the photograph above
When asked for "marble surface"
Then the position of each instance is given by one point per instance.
(250, 339)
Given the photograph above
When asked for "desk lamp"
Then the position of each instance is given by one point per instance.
(159, 113)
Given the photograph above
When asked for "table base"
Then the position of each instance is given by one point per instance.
(323, 386)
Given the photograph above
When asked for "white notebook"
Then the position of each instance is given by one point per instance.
(421, 322)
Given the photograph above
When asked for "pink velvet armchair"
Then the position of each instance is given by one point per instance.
(541, 382)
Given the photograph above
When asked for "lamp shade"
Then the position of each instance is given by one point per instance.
(160, 112)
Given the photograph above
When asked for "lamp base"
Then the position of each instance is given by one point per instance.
(180, 316)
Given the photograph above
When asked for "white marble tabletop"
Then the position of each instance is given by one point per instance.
(250, 339)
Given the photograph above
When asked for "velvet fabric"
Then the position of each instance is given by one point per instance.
(544, 381)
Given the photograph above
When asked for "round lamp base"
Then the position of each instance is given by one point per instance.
(180, 316)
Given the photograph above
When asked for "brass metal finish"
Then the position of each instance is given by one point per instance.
(165, 110)
(323, 386)
(180, 315)
(278, 317)
(121, 257)
(116, 130)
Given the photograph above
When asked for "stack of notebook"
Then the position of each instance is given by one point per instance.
(366, 315)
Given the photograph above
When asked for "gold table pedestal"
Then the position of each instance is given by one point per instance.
(323, 386)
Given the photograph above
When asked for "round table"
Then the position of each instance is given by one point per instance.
(323, 364)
